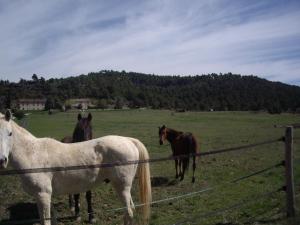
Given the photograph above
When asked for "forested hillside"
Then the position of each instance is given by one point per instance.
(205, 92)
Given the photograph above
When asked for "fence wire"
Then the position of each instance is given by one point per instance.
(256, 218)
(243, 202)
(294, 125)
(115, 164)
(190, 194)
(187, 195)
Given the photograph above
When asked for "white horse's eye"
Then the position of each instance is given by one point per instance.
(10, 133)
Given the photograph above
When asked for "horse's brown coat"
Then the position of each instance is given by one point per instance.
(181, 144)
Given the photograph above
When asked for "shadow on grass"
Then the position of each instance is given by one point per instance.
(163, 181)
(260, 222)
(27, 214)
(280, 220)
(229, 223)
(22, 213)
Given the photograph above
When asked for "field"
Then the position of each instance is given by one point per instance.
(214, 130)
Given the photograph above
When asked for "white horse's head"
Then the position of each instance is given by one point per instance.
(5, 138)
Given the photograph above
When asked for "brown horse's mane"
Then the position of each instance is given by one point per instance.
(172, 134)
(174, 131)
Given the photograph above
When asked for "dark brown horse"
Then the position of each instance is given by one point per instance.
(181, 144)
(82, 132)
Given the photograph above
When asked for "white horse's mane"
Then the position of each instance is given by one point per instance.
(17, 126)
(21, 129)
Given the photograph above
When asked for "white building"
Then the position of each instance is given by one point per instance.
(82, 103)
(31, 104)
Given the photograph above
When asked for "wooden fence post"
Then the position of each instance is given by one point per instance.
(289, 174)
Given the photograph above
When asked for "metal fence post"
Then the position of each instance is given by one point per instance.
(289, 174)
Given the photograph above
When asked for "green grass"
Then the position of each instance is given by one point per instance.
(213, 130)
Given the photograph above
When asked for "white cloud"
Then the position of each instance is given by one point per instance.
(62, 38)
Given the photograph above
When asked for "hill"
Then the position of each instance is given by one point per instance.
(203, 92)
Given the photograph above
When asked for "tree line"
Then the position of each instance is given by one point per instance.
(119, 88)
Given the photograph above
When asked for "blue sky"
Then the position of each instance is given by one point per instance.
(60, 38)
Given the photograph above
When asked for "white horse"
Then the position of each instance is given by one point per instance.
(25, 151)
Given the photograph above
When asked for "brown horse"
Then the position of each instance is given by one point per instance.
(82, 132)
(181, 144)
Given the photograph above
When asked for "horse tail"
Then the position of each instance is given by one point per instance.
(194, 145)
(144, 180)
(192, 148)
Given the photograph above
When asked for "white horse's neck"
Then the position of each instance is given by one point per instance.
(23, 144)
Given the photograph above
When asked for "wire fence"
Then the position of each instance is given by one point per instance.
(115, 164)
(294, 125)
(178, 197)
(257, 218)
(296, 138)
(190, 194)
(172, 198)
(231, 207)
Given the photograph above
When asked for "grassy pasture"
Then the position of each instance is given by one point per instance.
(214, 130)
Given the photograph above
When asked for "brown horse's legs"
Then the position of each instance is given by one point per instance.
(77, 215)
(176, 168)
(71, 203)
(194, 167)
(185, 164)
(180, 167)
(88, 196)
(183, 170)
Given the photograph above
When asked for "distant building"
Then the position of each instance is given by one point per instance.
(82, 103)
(31, 104)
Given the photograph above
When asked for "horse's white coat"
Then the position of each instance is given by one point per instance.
(26, 151)
(5, 141)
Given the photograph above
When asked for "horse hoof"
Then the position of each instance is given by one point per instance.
(176, 176)
(193, 180)
(78, 219)
(181, 179)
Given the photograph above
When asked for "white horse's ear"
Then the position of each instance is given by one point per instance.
(89, 117)
(79, 117)
(7, 115)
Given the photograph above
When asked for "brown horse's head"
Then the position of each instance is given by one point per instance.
(162, 132)
(83, 129)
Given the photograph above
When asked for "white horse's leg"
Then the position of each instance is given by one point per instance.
(132, 204)
(44, 205)
(125, 196)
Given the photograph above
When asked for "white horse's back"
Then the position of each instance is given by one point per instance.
(107, 149)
